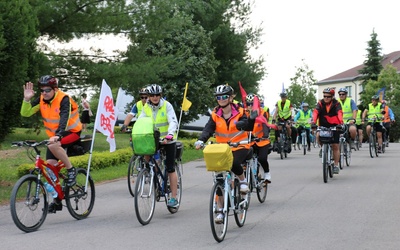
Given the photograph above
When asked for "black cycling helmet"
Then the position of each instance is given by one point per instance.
(343, 90)
(375, 97)
(283, 95)
(143, 91)
(250, 97)
(154, 89)
(329, 91)
(223, 90)
(48, 80)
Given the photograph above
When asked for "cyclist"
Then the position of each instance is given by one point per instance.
(349, 108)
(136, 109)
(329, 114)
(260, 131)
(165, 120)
(388, 119)
(222, 122)
(284, 113)
(60, 115)
(374, 109)
(359, 124)
(303, 118)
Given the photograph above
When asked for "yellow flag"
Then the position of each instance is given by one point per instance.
(186, 103)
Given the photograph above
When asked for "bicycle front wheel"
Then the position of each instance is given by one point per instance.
(348, 154)
(173, 210)
(262, 187)
(342, 154)
(218, 226)
(325, 162)
(134, 167)
(80, 202)
(145, 196)
(241, 205)
(28, 211)
(372, 146)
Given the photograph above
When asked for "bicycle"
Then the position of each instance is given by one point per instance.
(344, 149)
(283, 143)
(326, 138)
(255, 174)
(303, 138)
(152, 183)
(372, 140)
(29, 197)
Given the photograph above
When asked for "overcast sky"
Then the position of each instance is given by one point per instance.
(331, 36)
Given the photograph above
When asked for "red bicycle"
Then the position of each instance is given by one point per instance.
(29, 197)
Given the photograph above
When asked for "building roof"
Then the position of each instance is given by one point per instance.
(352, 74)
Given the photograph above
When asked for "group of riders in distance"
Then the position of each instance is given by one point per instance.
(244, 127)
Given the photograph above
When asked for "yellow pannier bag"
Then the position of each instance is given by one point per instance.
(218, 157)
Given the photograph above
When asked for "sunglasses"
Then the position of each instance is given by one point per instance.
(143, 97)
(249, 103)
(327, 96)
(342, 94)
(222, 97)
(155, 95)
(45, 90)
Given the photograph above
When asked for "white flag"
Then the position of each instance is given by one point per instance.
(105, 117)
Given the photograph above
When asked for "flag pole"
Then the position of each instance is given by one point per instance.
(180, 116)
(90, 152)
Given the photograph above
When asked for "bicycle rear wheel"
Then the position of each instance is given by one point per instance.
(342, 154)
(347, 148)
(217, 198)
(173, 210)
(372, 146)
(79, 202)
(241, 205)
(28, 211)
(145, 196)
(325, 162)
(135, 164)
(262, 187)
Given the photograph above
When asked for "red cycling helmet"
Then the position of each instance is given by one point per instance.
(329, 91)
(48, 80)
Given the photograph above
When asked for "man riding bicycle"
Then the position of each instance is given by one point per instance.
(284, 113)
(223, 122)
(165, 120)
(329, 114)
(303, 118)
(388, 119)
(349, 108)
(374, 110)
(60, 115)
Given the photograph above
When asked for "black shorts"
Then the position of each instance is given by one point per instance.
(378, 126)
(85, 118)
(67, 141)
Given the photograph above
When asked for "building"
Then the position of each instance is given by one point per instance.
(350, 78)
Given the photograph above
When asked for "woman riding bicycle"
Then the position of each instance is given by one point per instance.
(61, 121)
(223, 122)
(165, 120)
(261, 131)
(329, 113)
(374, 109)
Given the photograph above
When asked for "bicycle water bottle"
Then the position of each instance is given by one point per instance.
(50, 189)
(51, 174)
(157, 158)
(254, 170)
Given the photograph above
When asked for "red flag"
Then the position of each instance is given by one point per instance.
(260, 118)
(244, 94)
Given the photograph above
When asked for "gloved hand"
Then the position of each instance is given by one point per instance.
(198, 144)
(273, 121)
(123, 128)
(169, 137)
(253, 114)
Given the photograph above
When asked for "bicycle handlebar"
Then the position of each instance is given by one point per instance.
(28, 143)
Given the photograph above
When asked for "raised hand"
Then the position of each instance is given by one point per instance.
(28, 91)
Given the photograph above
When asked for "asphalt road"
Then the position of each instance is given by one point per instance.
(357, 209)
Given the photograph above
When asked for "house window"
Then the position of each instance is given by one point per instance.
(349, 91)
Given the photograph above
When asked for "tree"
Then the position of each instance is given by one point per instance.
(18, 59)
(301, 88)
(372, 65)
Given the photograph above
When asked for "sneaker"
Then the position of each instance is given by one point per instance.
(360, 145)
(352, 145)
(309, 149)
(320, 153)
(267, 177)
(379, 150)
(71, 177)
(173, 203)
(219, 219)
(56, 205)
(335, 169)
(244, 188)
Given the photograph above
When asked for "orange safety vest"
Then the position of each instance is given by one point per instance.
(386, 116)
(51, 114)
(258, 130)
(225, 133)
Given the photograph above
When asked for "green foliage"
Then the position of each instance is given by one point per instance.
(301, 88)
